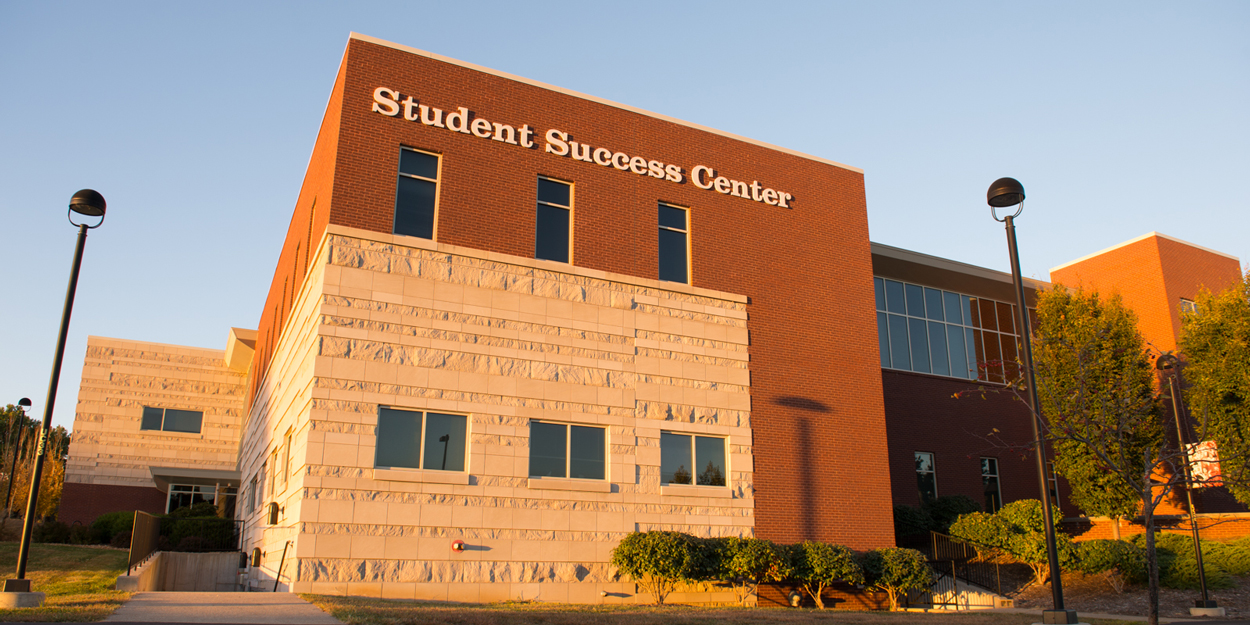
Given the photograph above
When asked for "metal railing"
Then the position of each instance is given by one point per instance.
(955, 560)
(151, 534)
(145, 536)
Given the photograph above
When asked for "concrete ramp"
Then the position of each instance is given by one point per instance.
(253, 608)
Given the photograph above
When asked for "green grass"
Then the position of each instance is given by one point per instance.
(78, 581)
(363, 611)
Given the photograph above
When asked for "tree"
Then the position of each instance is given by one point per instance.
(658, 561)
(1019, 528)
(748, 562)
(896, 571)
(1215, 340)
(817, 565)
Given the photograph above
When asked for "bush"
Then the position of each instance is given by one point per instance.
(106, 526)
(747, 562)
(51, 532)
(816, 565)
(896, 571)
(121, 540)
(657, 561)
(201, 509)
(1233, 557)
(909, 521)
(215, 533)
(1019, 528)
(80, 535)
(1118, 561)
(1178, 566)
(945, 510)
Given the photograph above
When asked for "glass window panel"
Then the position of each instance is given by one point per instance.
(971, 342)
(919, 345)
(993, 356)
(894, 299)
(926, 478)
(915, 300)
(965, 303)
(1011, 368)
(418, 164)
(151, 418)
(899, 354)
(1032, 319)
(183, 420)
(673, 256)
(586, 452)
(878, 287)
(883, 339)
(954, 309)
(988, 318)
(972, 312)
(937, 348)
(551, 241)
(671, 217)
(989, 482)
(555, 192)
(933, 304)
(444, 442)
(959, 352)
(399, 439)
(978, 353)
(1006, 318)
(675, 460)
(547, 447)
(414, 208)
(709, 452)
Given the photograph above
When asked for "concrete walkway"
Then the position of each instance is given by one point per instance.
(1085, 616)
(259, 608)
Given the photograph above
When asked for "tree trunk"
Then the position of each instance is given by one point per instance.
(1152, 560)
(1115, 527)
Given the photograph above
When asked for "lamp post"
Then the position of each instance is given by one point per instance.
(1165, 363)
(87, 203)
(1005, 193)
(23, 403)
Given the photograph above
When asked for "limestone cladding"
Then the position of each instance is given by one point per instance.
(119, 379)
(414, 324)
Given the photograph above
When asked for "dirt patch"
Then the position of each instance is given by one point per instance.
(1090, 593)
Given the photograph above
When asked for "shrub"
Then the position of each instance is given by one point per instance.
(896, 571)
(215, 533)
(1118, 561)
(657, 561)
(201, 509)
(748, 562)
(80, 535)
(1178, 566)
(107, 525)
(816, 565)
(944, 510)
(1019, 529)
(50, 532)
(121, 540)
(909, 521)
(1233, 557)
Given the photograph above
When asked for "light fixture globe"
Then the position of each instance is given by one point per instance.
(24, 402)
(1005, 192)
(88, 202)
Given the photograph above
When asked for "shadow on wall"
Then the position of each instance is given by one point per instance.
(803, 455)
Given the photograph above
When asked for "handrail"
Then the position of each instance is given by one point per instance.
(145, 535)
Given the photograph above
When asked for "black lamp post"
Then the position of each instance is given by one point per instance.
(89, 204)
(23, 403)
(1165, 363)
(1005, 193)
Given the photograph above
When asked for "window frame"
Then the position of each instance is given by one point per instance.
(196, 489)
(438, 189)
(425, 413)
(997, 475)
(1188, 306)
(686, 232)
(932, 471)
(568, 449)
(694, 459)
(570, 208)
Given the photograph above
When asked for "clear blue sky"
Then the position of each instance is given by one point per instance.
(196, 121)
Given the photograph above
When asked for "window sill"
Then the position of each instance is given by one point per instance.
(174, 433)
(421, 475)
(558, 483)
(681, 490)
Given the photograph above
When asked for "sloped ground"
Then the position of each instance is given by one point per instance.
(1090, 593)
(77, 579)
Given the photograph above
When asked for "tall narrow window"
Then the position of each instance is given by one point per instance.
(417, 195)
(926, 476)
(674, 244)
(989, 480)
(554, 223)
(286, 458)
(1052, 479)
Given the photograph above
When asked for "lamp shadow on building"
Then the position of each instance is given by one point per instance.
(802, 455)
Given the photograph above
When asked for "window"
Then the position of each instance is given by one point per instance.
(926, 476)
(416, 198)
(286, 458)
(185, 496)
(171, 420)
(409, 439)
(563, 450)
(689, 459)
(554, 222)
(674, 244)
(1052, 482)
(989, 481)
(1188, 307)
(943, 333)
(252, 491)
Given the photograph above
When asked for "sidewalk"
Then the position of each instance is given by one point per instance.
(258, 608)
(1086, 616)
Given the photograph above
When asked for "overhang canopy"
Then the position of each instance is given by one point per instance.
(164, 476)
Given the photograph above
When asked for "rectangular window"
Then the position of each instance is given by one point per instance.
(1188, 307)
(989, 482)
(1052, 480)
(286, 458)
(926, 476)
(171, 420)
(554, 221)
(185, 496)
(563, 450)
(416, 197)
(690, 459)
(674, 244)
(403, 436)
(252, 491)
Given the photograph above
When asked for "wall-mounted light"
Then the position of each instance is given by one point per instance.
(457, 546)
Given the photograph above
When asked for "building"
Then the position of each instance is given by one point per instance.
(525, 321)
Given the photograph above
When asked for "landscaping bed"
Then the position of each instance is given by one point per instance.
(1091, 594)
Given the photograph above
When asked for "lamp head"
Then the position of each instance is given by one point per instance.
(24, 402)
(1005, 192)
(1167, 361)
(88, 202)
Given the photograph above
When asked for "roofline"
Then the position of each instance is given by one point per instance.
(591, 98)
(1142, 238)
(951, 265)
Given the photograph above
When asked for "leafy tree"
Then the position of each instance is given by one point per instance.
(817, 565)
(748, 562)
(896, 571)
(658, 561)
(1215, 340)
(1019, 529)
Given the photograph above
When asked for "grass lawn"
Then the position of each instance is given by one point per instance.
(362, 611)
(78, 581)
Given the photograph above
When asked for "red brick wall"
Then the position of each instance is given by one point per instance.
(85, 502)
(1210, 527)
(816, 395)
